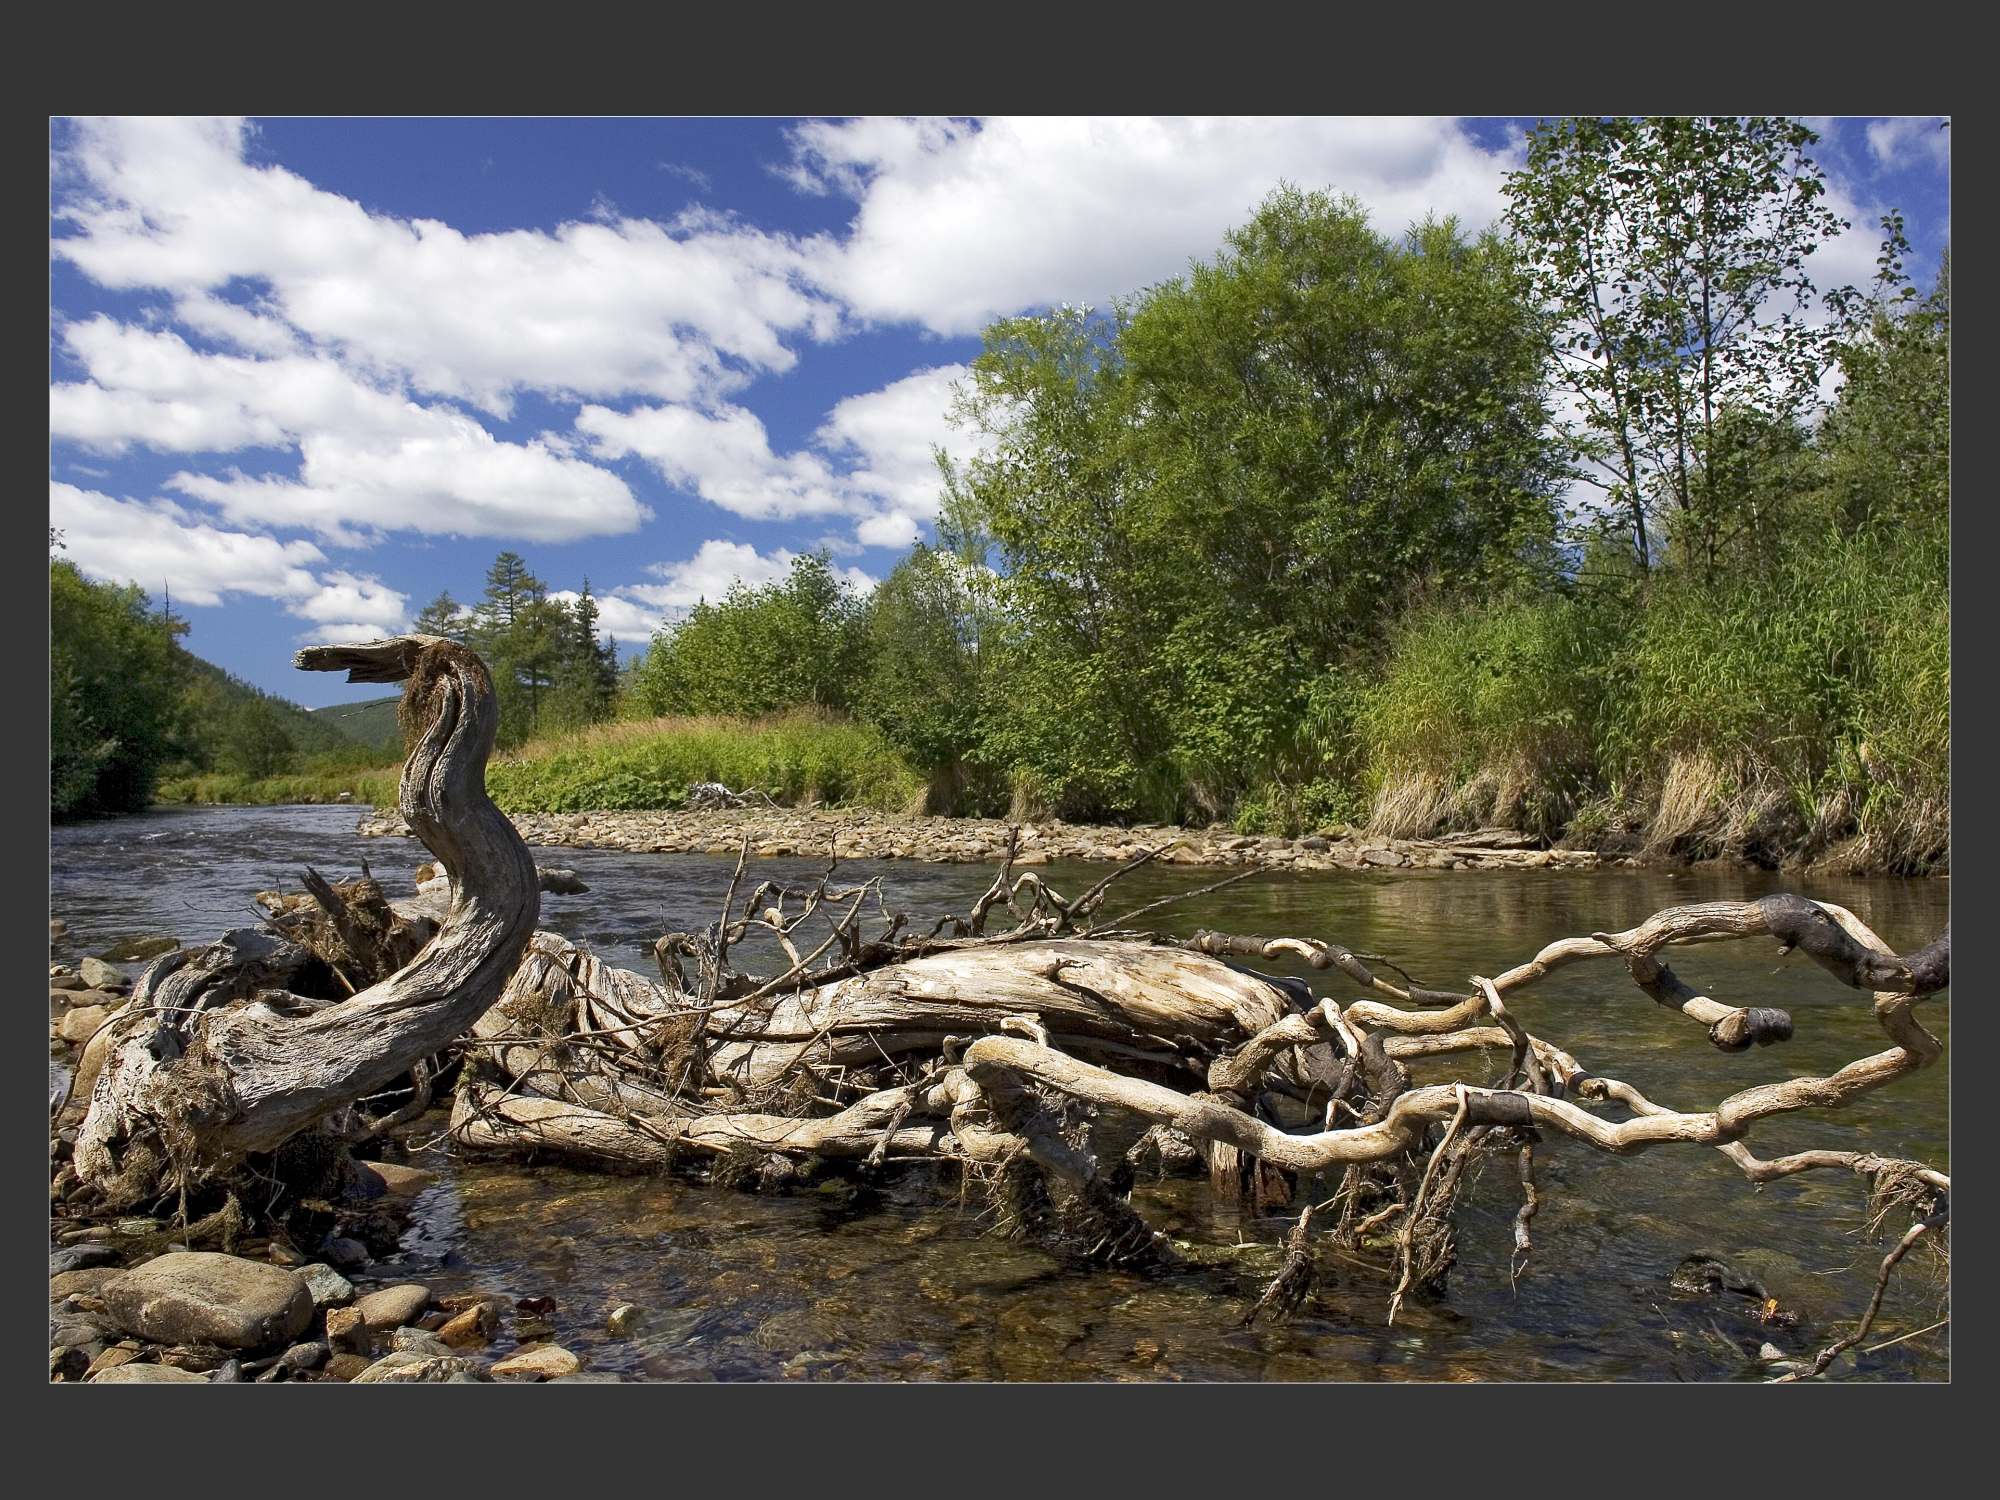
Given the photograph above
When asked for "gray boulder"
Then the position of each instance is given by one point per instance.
(199, 1297)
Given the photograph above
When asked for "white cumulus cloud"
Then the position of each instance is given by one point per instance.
(160, 546)
(957, 223)
(872, 459)
(595, 308)
(1910, 138)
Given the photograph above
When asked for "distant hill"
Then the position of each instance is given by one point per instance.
(372, 723)
(218, 693)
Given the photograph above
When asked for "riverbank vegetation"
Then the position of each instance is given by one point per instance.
(1434, 532)
(1548, 527)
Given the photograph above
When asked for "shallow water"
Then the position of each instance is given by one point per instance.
(886, 1284)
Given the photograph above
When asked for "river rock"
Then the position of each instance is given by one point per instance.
(626, 1322)
(99, 975)
(70, 1329)
(77, 1257)
(345, 1253)
(560, 882)
(328, 1287)
(590, 1377)
(58, 930)
(63, 979)
(199, 1297)
(404, 1368)
(346, 1366)
(347, 1330)
(80, 1025)
(133, 950)
(134, 1374)
(377, 1179)
(87, 1281)
(544, 1362)
(393, 1306)
(302, 1357)
(418, 1341)
(111, 1359)
(470, 1328)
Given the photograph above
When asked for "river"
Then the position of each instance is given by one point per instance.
(900, 1283)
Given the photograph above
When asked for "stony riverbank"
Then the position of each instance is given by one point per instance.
(860, 834)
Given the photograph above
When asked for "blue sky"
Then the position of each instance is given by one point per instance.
(312, 372)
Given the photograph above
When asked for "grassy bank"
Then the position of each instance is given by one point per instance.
(376, 785)
(1802, 714)
(650, 763)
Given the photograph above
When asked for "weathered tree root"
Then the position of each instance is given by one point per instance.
(203, 1090)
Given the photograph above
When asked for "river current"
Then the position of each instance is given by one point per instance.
(902, 1283)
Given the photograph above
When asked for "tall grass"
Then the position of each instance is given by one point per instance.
(794, 757)
(1486, 713)
(1800, 712)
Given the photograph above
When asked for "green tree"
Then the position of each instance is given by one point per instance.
(1208, 498)
(254, 741)
(115, 682)
(1670, 255)
(924, 683)
(796, 641)
(513, 628)
(1887, 440)
(584, 670)
(443, 616)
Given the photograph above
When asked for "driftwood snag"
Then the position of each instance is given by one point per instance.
(189, 1091)
(1045, 1064)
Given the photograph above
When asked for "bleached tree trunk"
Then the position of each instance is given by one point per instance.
(185, 1097)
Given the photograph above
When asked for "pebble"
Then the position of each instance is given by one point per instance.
(863, 834)
(345, 1366)
(376, 1179)
(345, 1253)
(470, 1328)
(89, 1281)
(401, 1368)
(417, 1341)
(111, 1359)
(347, 1330)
